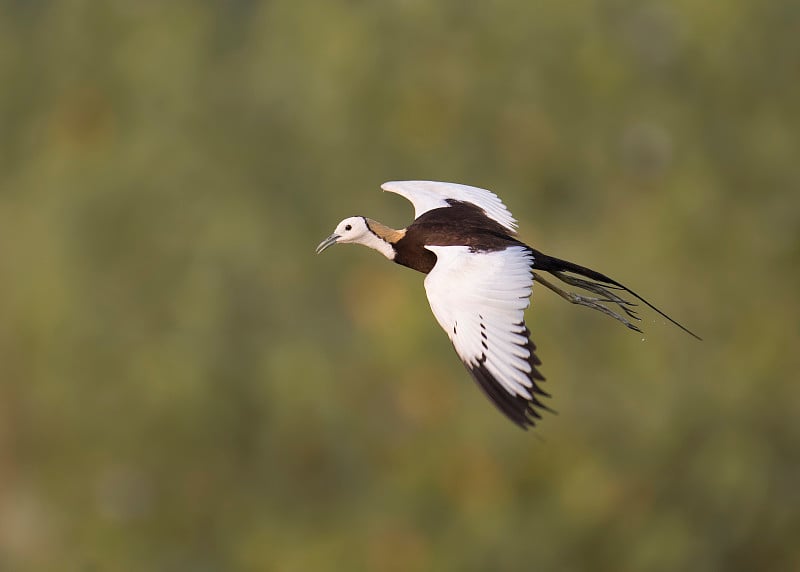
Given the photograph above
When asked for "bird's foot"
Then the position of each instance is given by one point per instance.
(591, 302)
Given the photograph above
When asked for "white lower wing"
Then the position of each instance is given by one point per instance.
(429, 195)
(479, 299)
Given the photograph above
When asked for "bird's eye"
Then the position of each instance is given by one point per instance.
(348, 227)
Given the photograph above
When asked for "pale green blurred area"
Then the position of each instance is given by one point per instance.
(184, 385)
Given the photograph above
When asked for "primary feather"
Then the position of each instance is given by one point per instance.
(429, 195)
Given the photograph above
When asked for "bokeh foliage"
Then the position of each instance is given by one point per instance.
(185, 386)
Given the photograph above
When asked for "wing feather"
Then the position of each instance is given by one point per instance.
(429, 195)
(479, 299)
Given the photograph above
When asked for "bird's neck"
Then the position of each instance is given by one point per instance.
(383, 239)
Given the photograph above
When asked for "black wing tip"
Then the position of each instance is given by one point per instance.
(521, 411)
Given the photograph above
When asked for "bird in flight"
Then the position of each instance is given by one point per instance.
(479, 279)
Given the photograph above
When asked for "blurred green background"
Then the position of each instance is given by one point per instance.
(184, 385)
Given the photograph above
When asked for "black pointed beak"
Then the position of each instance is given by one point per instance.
(330, 241)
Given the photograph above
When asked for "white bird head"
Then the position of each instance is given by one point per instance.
(361, 230)
(351, 229)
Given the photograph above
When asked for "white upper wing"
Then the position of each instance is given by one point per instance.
(429, 195)
(479, 298)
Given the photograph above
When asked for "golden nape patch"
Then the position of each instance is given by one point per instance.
(382, 231)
